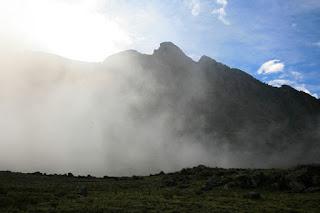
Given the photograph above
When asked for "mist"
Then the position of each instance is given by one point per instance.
(137, 114)
(65, 116)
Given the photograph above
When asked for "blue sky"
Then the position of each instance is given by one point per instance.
(247, 34)
(276, 41)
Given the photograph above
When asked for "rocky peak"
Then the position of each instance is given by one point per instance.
(169, 52)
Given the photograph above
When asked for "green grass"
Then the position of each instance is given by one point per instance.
(186, 191)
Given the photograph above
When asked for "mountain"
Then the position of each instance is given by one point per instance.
(139, 113)
(229, 107)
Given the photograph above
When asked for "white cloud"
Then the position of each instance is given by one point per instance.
(194, 6)
(272, 66)
(221, 12)
(280, 82)
(297, 86)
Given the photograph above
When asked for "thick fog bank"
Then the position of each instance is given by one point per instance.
(61, 116)
(132, 114)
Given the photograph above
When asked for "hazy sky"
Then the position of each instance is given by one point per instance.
(276, 41)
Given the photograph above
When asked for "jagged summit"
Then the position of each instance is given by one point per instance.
(168, 47)
(206, 59)
(171, 53)
(166, 51)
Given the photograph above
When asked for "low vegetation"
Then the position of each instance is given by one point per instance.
(198, 189)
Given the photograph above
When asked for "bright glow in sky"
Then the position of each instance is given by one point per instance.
(282, 37)
(72, 29)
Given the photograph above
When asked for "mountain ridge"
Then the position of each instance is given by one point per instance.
(234, 106)
(138, 113)
(170, 48)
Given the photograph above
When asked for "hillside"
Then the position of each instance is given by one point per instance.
(198, 189)
(136, 113)
(215, 104)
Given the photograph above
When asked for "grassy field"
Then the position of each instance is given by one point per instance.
(198, 189)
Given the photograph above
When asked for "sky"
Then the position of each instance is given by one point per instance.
(276, 41)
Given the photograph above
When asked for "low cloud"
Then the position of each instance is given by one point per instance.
(221, 12)
(296, 85)
(272, 66)
(280, 82)
(291, 78)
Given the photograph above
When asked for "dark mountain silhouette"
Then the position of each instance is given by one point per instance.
(170, 110)
(228, 105)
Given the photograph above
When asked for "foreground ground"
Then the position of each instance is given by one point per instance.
(198, 189)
